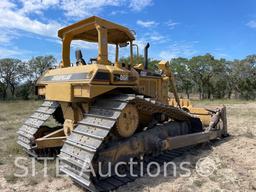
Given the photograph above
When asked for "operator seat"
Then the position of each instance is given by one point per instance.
(79, 58)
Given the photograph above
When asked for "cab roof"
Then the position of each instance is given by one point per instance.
(86, 30)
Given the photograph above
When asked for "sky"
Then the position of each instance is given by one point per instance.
(174, 28)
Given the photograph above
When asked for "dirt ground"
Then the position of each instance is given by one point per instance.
(234, 157)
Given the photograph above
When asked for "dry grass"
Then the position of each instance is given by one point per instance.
(12, 115)
(207, 102)
(237, 171)
(10, 178)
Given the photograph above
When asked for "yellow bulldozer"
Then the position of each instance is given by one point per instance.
(110, 112)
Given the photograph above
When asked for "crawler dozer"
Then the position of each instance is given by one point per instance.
(108, 112)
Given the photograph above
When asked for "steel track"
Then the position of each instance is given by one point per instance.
(82, 145)
(26, 134)
(115, 182)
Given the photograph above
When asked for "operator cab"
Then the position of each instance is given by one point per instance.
(100, 31)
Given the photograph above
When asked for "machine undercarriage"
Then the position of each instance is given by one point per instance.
(96, 137)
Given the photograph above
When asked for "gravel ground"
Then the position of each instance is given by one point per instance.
(233, 158)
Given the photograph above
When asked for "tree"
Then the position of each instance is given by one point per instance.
(12, 71)
(3, 89)
(229, 78)
(183, 76)
(201, 68)
(219, 80)
(38, 65)
(15, 73)
(152, 63)
(24, 90)
(244, 77)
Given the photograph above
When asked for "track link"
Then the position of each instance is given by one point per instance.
(82, 145)
(115, 182)
(26, 133)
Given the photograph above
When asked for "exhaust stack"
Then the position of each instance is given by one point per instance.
(146, 56)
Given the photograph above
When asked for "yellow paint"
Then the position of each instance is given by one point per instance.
(59, 92)
(94, 29)
(75, 87)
